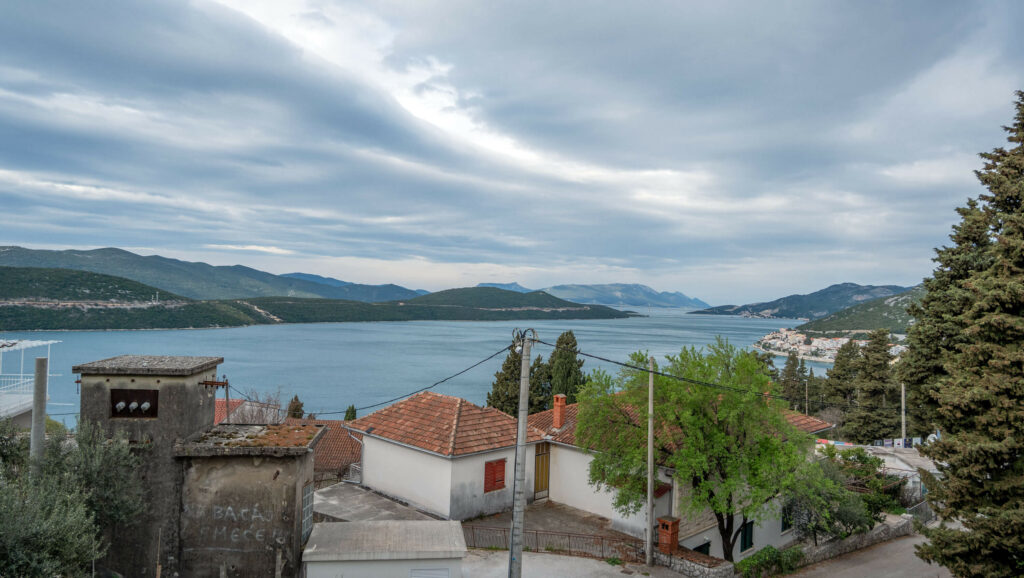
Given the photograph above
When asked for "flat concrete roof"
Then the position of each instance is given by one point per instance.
(148, 365)
(346, 502)
(385, 540)
(253, 440)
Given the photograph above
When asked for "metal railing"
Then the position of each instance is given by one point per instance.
(15, 393)
(586, 545)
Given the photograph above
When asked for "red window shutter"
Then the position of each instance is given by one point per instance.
(488, 476)
(499, 474)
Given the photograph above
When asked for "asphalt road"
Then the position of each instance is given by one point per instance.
(892, 559)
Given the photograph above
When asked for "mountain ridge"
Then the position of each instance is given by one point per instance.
(809, 306)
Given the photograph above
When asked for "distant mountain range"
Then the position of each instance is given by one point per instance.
(811, 306)
(506, 286)
(33, 298)
(633, 295)
(883, 313)
(197, 280)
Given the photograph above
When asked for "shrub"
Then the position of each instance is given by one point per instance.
(770, 561)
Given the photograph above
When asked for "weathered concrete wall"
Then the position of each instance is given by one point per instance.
(468, 499)
(239, 513)
(893, 527)
(421, 479)
(185, 409)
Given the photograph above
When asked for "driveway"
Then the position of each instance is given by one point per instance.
(494, 564)
(892, 559)
(548, 516)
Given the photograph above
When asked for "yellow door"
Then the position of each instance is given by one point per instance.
(541, 471)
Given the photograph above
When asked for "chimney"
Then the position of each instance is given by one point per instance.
(559, 419)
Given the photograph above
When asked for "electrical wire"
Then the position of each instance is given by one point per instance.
(715, 385)
(436, 383)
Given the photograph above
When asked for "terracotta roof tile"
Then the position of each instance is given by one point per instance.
(336, 449)
(805, 422)
(220, 408)
(443, 424)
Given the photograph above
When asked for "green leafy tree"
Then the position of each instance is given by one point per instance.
(731, 449)
(504, 394)
(819, 506)
(876, 414)
(295, 408)
(979, 388)
(60, 520)
(566, 370)
(350, 413)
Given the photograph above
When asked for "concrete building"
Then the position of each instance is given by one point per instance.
(385, 549)
(247, 499)
(206, 488)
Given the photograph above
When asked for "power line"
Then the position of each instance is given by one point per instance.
(714, 385)
(436, 383)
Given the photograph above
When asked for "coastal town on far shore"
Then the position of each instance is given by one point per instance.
(824, 349)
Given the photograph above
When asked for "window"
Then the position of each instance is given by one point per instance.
(494, 475)
(787, 521)
(307, 510)
(704, 548)
(747, 538)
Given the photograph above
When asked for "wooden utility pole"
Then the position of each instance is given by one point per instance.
(515, 551)
(37, 436)
(649, 529)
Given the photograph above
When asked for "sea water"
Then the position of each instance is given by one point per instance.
(332, 365)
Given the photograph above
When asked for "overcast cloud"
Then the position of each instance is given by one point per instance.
(735, 151)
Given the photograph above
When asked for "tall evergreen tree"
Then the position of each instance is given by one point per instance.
(840, 385)
(979, 387)
(566, 370)
(295, 408)
(876, 414)
(789, 380)
(350, 413)
(504, 394)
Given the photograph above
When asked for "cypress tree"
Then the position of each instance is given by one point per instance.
(842, 374)
(566, 370)
(350, 413)
(789, 380)
(876, 414)
(979, 386)
(504, 394)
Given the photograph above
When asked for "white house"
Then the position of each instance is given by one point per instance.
(569, 485)
(447, 456)
(443, 455)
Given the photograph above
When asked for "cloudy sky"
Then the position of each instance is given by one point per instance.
(735, 151)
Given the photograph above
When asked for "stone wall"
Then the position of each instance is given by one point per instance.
(693, 569)
(893, 527)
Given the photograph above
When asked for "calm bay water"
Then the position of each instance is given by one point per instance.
(332, 365)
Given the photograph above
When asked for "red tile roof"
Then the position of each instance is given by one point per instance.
(336, 449)
(443, 424)
(220, 408)
(805, 422)
(567, 433)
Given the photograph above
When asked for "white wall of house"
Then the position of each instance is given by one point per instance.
(569, 485)
(468, 499)
(766, 533)
(424, 480)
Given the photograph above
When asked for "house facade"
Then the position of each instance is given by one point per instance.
(570, 485)
(443, 455)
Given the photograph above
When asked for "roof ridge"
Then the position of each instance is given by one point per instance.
(455, 426)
